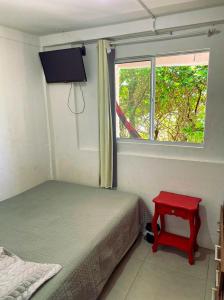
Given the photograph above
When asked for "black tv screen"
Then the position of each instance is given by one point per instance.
(63, 65)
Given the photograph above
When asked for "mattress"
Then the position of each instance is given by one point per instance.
(85, 229)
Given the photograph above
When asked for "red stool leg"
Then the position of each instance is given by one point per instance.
(192, 240)
(155, 230)
(197, 225)
(162, 223)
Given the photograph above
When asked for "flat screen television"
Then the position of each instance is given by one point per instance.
(64, 65)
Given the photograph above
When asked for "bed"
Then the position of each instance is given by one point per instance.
(85, 229)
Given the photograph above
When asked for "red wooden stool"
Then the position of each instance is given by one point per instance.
(181, 206)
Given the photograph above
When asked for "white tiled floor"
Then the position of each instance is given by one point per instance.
(165, 275)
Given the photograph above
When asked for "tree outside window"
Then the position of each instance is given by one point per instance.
(163, 98)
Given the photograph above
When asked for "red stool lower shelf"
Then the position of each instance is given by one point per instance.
(174, 240)
(180, 206)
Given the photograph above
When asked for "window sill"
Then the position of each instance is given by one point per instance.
(158, 143)
(164, 150)
(172, 158)
(177, 152)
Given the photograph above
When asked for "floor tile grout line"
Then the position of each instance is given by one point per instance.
(206, 281)
(137, 273)
(133, 281)
(141, 265)
(188, 274)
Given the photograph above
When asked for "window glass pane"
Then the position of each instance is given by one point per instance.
(132, 82)
(181, 92)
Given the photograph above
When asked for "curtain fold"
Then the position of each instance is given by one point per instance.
(106, 129)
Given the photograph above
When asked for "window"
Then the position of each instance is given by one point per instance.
(162, 98)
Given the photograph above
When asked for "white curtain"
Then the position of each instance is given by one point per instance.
(105, 117)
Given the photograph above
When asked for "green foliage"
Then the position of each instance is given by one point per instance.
(180, 105)
(134, 95)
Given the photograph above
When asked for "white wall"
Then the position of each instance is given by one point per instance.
(75, 138)
(148, 169)
(24, 153)
(144, 168)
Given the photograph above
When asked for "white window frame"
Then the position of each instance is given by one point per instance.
(152, 59)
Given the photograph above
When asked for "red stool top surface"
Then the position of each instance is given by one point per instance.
(178, 201)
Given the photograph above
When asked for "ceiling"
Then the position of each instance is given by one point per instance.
(43, 17)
